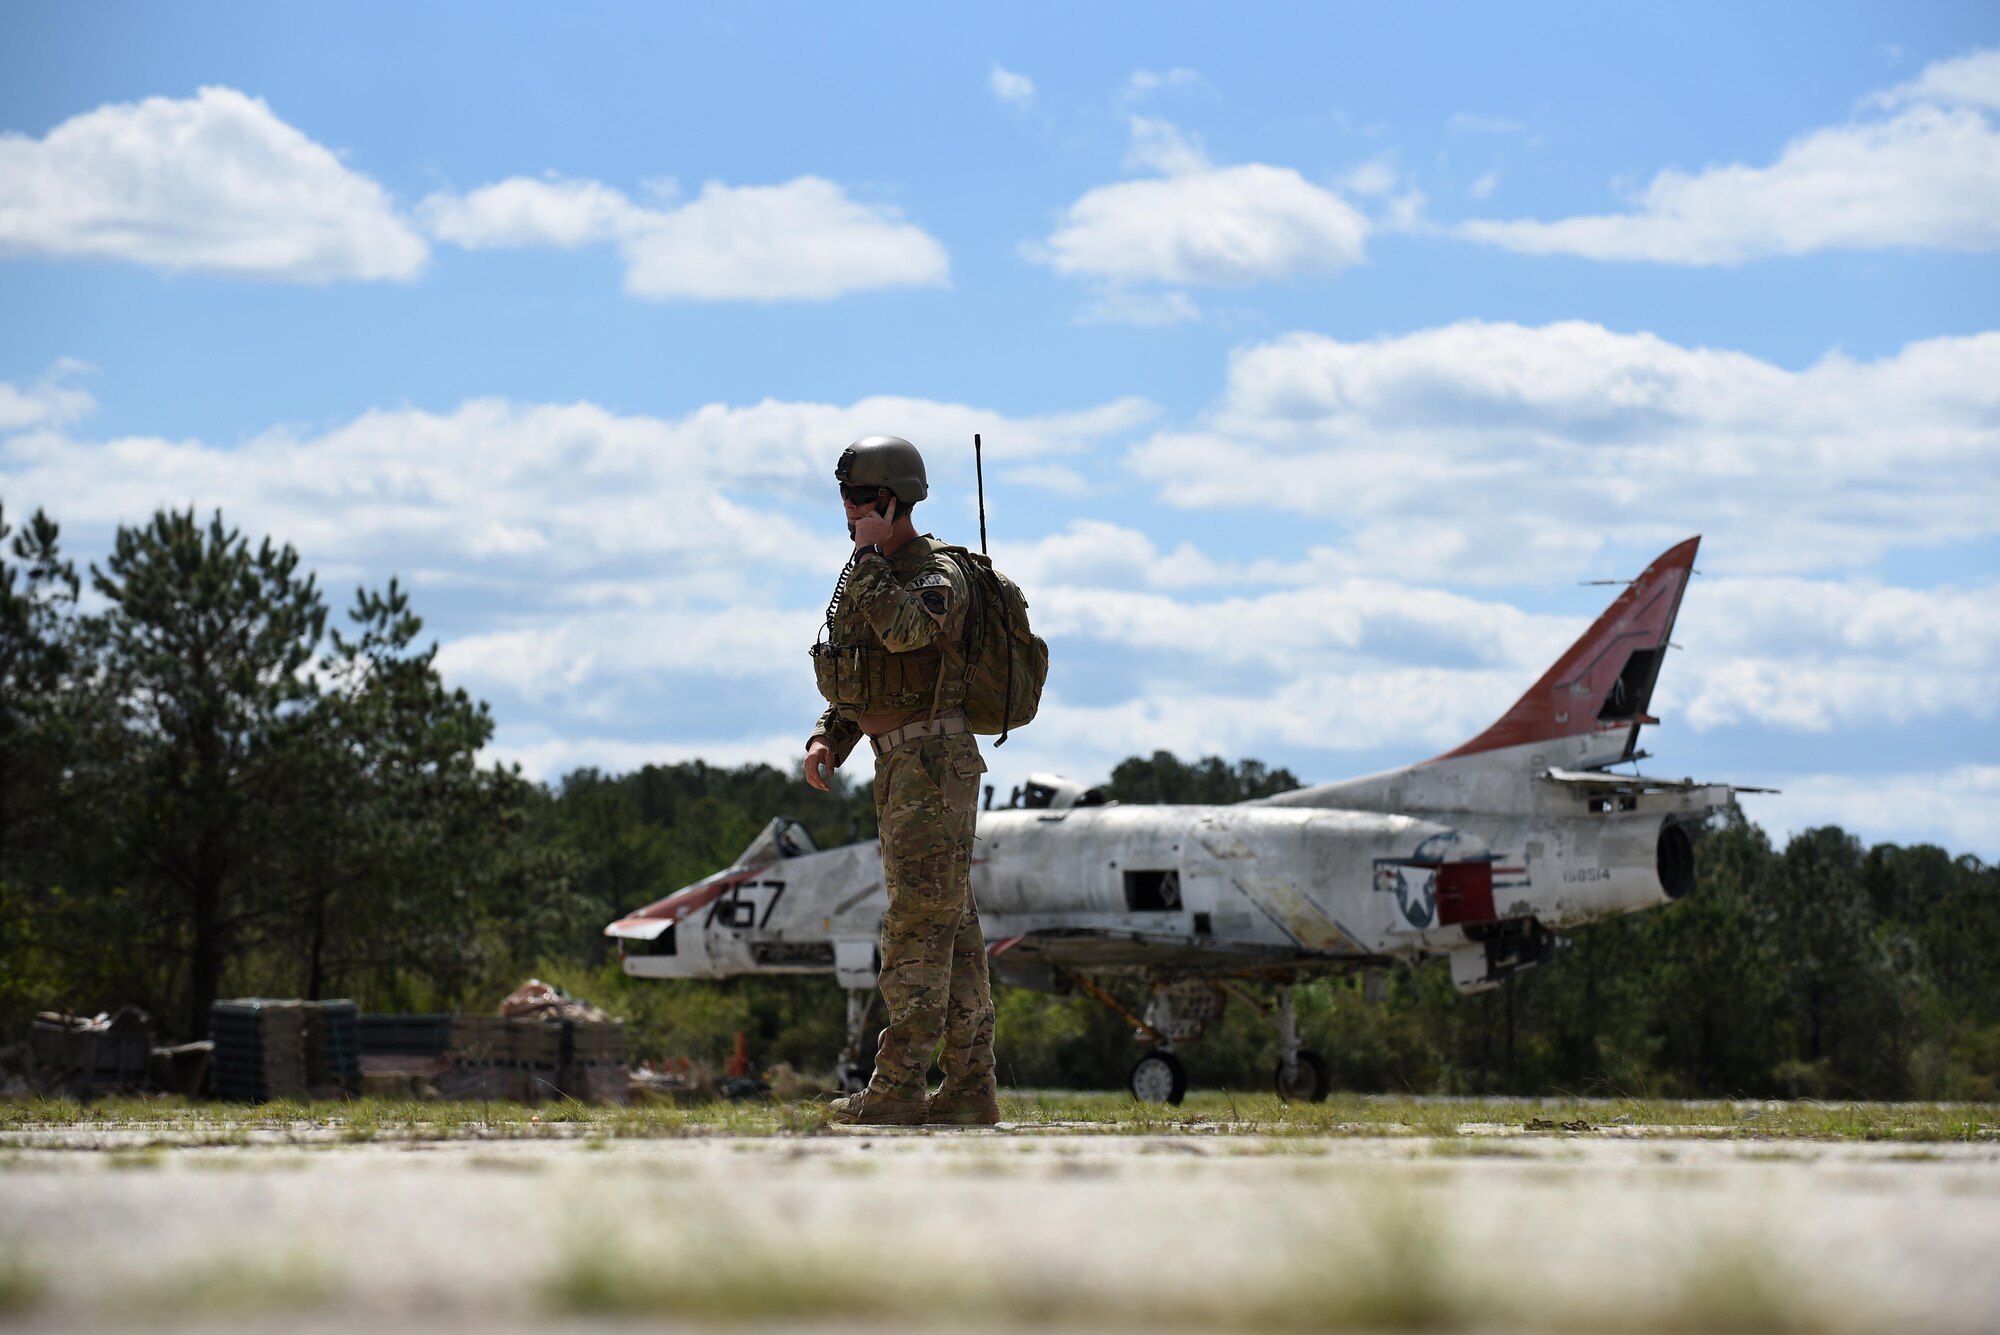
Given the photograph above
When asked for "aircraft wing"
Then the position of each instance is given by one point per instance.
(1636, 783)
(1113, 950)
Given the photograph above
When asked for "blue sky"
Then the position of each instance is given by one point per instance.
(1320, 352)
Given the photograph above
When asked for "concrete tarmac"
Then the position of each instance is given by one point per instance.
(1006, 1231)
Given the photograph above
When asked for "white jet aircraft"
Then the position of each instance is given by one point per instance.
(1483, 854)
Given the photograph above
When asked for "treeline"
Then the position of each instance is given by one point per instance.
(208, 786)
(207, 790)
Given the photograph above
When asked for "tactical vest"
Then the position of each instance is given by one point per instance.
(854, 670)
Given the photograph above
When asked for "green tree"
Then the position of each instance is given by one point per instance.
(1165, 778)
(399, 877)
(1848, 981)
(209, 644)
(1716, 991)
(38, 593)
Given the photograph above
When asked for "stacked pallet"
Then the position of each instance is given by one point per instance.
(424, 1036)
(281, 1049)
(481, 1057)
(402, 1056)
(270, 1049)
(83, 1057)
(594, 1067)
(260, 1049)
(537, 1046)
(333, 1048)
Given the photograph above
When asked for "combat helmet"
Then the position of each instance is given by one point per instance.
(884, 461)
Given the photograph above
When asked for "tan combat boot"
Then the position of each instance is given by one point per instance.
(871, 1107)
(977, 1106)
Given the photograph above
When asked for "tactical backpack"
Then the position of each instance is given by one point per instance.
(1005, 663)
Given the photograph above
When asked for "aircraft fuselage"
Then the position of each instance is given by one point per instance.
(1195, 889)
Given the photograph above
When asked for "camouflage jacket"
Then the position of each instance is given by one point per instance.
(888, 642)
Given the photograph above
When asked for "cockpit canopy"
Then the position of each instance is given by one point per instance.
(1056, 793)
(782, 838)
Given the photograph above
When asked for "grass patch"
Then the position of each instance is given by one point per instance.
(1385, 1278)
(1740, 1286)
(245, 1286)
(1470, 1147)
(59, 1124)
(21, 1285)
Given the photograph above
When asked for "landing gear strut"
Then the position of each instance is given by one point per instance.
(1301, 1075)
(1159, 1077)
(856, 1066)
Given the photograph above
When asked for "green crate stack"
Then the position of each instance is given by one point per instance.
(260, 1049)
(333, 1047)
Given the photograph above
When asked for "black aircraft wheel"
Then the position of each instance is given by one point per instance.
(1310, 1085)
(1158, 1077)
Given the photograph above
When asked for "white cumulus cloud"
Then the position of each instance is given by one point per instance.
(1816, 655)
(1957, 808)
(494, 485)
(48, 402)
(600, 579)
(215, 183)
(1140, 83)
(1927, 176)
(1198, 224)
(1971, 80)
(804, 240)
(1147, 310)
(1355, 661)
(1544, 441)
(1015, 89)
(522, 211)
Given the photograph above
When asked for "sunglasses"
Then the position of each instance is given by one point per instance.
(860, 495)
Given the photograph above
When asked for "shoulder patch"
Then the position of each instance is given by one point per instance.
(935, 601)
(936, 579)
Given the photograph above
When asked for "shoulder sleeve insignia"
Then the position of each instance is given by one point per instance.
(935, 579)
(934, 601)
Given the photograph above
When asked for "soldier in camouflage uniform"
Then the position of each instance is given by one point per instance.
(891, 669)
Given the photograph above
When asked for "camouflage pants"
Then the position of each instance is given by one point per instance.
(933, 954)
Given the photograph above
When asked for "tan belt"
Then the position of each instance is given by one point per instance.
(946, 726)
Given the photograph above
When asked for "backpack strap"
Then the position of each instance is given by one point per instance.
(953, 648)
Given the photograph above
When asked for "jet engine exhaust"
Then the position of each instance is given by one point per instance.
(1675, 860)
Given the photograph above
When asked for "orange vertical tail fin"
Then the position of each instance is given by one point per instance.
(1605, 680)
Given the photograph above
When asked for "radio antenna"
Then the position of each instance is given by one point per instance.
(979, 471)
